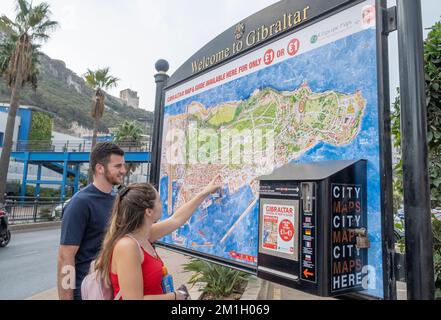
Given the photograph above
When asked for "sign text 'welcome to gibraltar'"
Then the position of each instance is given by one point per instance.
(253, 38)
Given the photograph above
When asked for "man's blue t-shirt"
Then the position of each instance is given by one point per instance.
(84, 223)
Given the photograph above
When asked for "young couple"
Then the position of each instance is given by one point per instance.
(118, 231)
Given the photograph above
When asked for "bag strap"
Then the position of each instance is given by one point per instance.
(118, 296)
(139, 246)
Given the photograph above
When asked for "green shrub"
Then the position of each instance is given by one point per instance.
(220, 281)
(45, 214)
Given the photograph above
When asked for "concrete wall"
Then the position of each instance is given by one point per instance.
(3, 121)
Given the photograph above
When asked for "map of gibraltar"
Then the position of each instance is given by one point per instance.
(315, 107)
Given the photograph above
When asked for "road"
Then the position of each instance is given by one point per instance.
(28, 265)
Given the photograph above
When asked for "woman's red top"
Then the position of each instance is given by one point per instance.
(151, 274)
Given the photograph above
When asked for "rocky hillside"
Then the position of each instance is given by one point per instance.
(64, 93)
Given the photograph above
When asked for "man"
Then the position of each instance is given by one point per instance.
(85, 219)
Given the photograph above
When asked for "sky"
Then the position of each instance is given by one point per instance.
(130, 36)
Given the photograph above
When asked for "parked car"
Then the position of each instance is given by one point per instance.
(5, 233)
(56, 212)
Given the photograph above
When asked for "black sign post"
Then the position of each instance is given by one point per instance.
(161, 78)
(383, 29)
(419, 236)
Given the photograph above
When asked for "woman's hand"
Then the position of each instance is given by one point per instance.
(214, 186)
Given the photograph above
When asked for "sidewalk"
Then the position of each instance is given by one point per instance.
(272, 291)
(173, 262)
(34, 226)
(257, 289)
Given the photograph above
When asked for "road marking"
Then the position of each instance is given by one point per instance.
(26, 254)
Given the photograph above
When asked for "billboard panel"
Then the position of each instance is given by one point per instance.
(307, 97)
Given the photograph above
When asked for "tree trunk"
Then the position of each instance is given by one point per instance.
(94, 140)
(9, 133)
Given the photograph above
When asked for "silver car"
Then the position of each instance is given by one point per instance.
(56, 212)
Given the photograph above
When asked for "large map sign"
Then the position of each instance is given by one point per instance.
(309, 96)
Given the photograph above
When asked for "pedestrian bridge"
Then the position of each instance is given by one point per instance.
(65, 158)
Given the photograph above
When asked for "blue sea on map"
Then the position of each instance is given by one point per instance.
(344, 66)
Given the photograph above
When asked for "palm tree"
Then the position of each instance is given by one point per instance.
(128, 135)
(99, 81)
(18, 63)
(129, 132)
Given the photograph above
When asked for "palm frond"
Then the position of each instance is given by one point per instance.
(46, 26)
(22, 10)
(100, 79)
(22, 7)
(111, 82)
(7, 26)
(90, 79)
(40, 37)
(39, 15)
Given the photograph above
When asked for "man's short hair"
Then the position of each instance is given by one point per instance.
(102, 152)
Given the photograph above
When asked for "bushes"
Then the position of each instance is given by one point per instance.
(221, 282)
(432, 67)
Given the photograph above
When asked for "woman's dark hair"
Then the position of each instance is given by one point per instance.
(102, 152)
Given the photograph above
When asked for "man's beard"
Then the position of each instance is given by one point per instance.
(110, 179)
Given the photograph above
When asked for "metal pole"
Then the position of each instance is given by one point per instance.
(419, 236)
(37, 189)
(25, 179)
(77, 178)
(63, 185)
(389, 280)
(161, 78)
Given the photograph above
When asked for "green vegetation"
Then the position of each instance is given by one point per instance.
(223, 116)
(243, 124)
(220, 282)
(14, 187)
(56, 95)
(432, 57)
(19, 58)
(129, 135)
(99, 80)
(130, 132)
(41, 127)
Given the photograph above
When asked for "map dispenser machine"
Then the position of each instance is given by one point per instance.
(313, 233)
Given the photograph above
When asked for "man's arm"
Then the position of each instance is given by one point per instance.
(66, 272)
(73, 228)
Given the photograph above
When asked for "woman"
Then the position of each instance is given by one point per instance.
(127, 252)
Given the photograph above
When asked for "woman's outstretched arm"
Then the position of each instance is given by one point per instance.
(184, 213)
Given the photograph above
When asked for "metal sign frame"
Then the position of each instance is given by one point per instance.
(181, 76)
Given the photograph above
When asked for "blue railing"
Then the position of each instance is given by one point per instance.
(76, 146)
